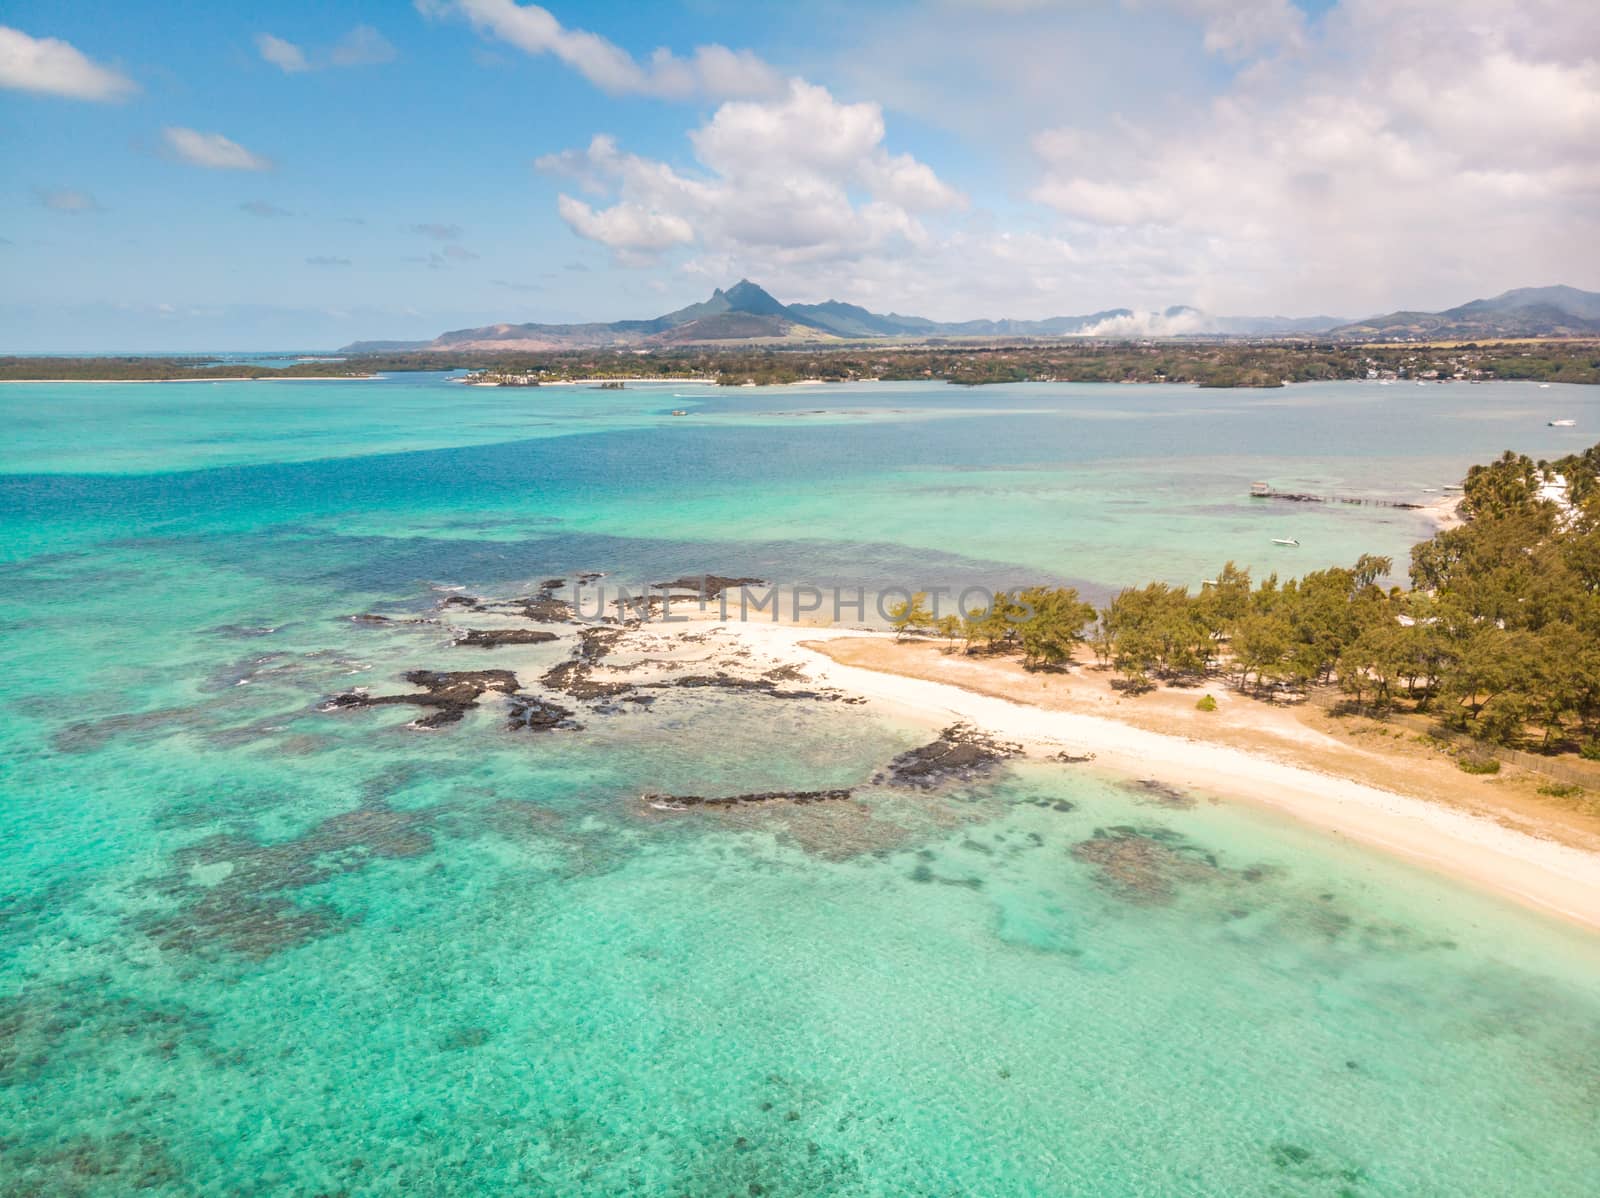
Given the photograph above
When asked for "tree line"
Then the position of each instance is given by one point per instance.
(1499, 633)
(1265, 363)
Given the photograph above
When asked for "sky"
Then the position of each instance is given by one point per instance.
(179, 176)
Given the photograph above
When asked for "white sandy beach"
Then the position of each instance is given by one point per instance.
(1557, 878)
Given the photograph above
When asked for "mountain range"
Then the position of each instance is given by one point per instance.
(1523, 312)
(745, 313)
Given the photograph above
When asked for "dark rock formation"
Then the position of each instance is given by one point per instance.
(1145, 864)
(725, 681)
(961, 754)
(244, 630)
(492, 638)
(1062, 805)
(573, 677)
(1162, 794)
(709, 586)
(760, 796)
(538, 715)
(543, 608)
(449, 693)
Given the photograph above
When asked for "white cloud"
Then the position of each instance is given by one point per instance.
(55, 68)
(212, 150)
(626, 226)
(1236, 28)
(284, 55)
(438, 231)
(1359, 175)
(362, 46)
(263, 209)
(801, 178)
(66, 200)
(713, 71)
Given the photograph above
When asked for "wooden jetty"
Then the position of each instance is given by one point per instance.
(1264, 491)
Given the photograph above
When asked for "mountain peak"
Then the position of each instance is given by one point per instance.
(745, 296)
(747, 313)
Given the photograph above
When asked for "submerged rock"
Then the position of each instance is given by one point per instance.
(538, 715)
(1163, 794)
(374, 618)
(238, 895)
(450, 693)
(1145, 864)
(962, 753)
(543, 608)
(672, 802)
(708, 586)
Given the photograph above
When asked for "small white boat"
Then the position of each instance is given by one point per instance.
(1260, 490)
(1560, 423)
(1544, 386)
(1285, 541)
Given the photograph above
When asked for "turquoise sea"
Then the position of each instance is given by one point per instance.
(248, 946)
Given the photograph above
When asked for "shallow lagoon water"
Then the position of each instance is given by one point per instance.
(248, 946)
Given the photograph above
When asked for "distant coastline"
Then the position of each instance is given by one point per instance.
(1202, 363)
(221, 378)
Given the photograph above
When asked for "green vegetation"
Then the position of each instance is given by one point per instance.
(137, 370)
(1268, 363)
(1499, 637)
(913, 615)
(1046, 623)
(1477, 763)
(1545, 366)
(1561, 790)
(1206, 703)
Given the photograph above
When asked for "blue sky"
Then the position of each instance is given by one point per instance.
(174, 179)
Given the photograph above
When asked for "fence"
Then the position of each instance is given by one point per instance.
(1572, 772)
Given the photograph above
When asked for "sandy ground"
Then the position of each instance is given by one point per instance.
(1445, 511)
(1415, 803)
(1360, 779)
